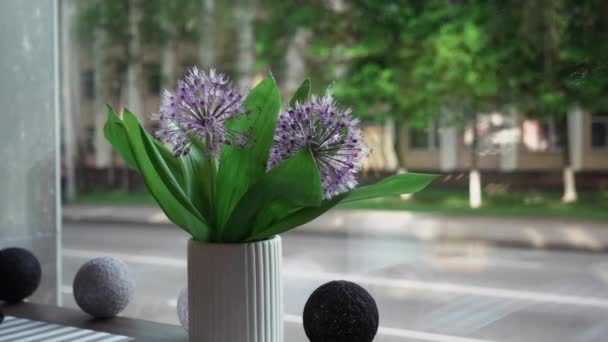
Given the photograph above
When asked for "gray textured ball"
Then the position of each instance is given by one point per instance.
(182, 307)
(103, 287)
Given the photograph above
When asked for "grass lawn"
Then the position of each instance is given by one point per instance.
(116, 197)
(591, 205)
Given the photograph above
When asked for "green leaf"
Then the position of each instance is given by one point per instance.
(276, 209)
(115, 132)
(161, 182)
(242, 167)
(296, 182)
(199, 175)
(296, 219)
(405, 183)
(395, 185)
(301, 94)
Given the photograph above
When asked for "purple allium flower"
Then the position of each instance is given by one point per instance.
(199, 108)
(332, 135)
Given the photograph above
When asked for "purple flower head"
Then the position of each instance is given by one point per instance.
(199, 108)
(332, 135)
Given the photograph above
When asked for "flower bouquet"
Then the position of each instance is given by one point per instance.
(235, 170)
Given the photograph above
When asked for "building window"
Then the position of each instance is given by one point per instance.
(153, 78)
(599, 130)
(424, 138)
(89, 142)
(541, 136)
(88, 84)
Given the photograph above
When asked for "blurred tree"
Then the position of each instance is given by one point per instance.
(562, 65)
(168, 24)
(450, 69)
(103, 152)
(284, 30)
(110, 25)
(207, 34)
(134, 60)
(244, 13)
(393, 62)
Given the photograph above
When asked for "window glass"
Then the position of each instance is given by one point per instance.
(88, 84)
(29, 136)
(153, 76)
(540, 136)
(599, 130)
(511, 229)
(426, 138)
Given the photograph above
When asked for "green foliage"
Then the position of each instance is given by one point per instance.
(404, 59)
(410, 59)
(128, 137)
(394, 185)
(239, 200)
(240, 168)
(285, 185)
(301, 94)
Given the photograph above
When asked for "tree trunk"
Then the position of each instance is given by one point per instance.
(244, 15)
(295, 66)
(475, 197)
(134, 72)
(391, 163)
(103, 152)
(207, 34)
(134, 66)
(569, 179)
(69, 132)
(399, 131)
(168, 53)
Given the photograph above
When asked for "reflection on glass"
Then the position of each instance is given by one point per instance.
(28, 133)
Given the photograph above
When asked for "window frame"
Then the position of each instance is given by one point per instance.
(601, 118)
(432, 138)
(552, 135)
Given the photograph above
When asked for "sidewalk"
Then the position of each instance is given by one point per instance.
(539, 233)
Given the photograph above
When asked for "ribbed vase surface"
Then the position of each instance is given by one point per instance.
(235, 292)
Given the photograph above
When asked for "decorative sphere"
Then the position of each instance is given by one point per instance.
(340, 311)
(20, 273)
(182, 307)
(103, 287)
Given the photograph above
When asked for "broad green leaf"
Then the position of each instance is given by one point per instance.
(115, 132)
(161, 183)
(241, 167)
(296, 181)
(301, 94)
(273, 213)
(270, 213)
(395, 185)
(296, 219)
(199, 174)
(405, 183)
(172, 162)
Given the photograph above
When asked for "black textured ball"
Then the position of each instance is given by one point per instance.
(20, 273)
(340, 311)
(1, 316)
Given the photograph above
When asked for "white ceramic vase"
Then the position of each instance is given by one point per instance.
(235, 291)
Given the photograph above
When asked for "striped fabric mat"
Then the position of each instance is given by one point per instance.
(24, 330)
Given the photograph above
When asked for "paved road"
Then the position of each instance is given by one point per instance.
(511, 231)
(425, 291)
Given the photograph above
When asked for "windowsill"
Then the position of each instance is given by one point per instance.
(423, 150)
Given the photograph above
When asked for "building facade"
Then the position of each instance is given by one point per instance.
(513, 150)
